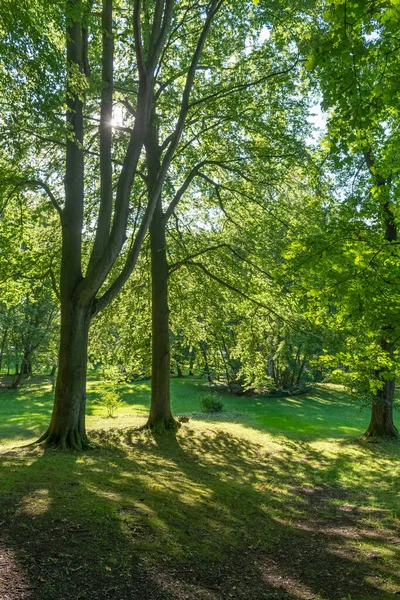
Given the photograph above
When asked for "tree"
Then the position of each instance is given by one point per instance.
(227, 120)
(354, 60)
(29, 327)
(92, 273)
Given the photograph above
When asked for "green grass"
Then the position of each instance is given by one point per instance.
(326, 412)
(272, 498)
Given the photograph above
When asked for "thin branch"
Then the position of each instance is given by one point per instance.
(45, 187)
(182, 190)
(184, 108)
(128, 106)
(174, 266)
(54, 284)
(244, 86)
(236, 290)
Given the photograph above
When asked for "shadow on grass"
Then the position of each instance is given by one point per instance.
(208, 516)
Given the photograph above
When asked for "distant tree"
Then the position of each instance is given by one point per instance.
(29, 327)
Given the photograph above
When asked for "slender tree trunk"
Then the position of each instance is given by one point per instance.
(224, 352)
(160, 417)
(206, 368)
(3, 343)
(53, 371)
(191, 363)
(300, 373)
(67, 426)
(296, 362)
(382, 424)
(19, 373)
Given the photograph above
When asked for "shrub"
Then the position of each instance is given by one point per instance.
(110, 401)
(211, 403)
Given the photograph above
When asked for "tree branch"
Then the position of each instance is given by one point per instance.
(184, 108)
(141, 64)
(159, 32)
(244, 86)
(106, 108)
(45, 187)
(235, 290)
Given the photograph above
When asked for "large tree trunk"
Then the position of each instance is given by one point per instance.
(67, 426)
(381, 424)
(160, 417)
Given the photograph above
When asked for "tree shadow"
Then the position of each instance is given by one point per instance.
(191, 516)
(309, 551)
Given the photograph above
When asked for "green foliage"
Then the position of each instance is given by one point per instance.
(211, 403)
(111, 373)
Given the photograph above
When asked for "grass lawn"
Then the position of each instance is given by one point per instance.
(273, 498)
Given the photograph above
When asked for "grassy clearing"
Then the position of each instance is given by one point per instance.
(273, 498)
(326, 412)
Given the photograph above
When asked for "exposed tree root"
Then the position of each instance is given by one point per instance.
(71, 440)
(375, 432)
(381, 424)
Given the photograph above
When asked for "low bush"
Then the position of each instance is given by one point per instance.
(211, 403)
(110, 401)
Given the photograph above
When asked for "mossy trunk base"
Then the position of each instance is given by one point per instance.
(159, 425)
(71, 440)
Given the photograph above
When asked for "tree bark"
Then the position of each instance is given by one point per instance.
(67, 426)
(381, 424)
(19, 373)
(160, 417)
(206, 367)
(3, 343)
